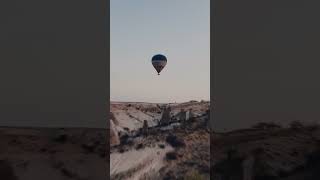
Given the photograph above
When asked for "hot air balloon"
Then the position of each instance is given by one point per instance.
(159, 61)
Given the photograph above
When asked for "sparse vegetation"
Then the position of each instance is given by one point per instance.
(139, 146)
(125, 140)
(296, 125)
(189, 144)
(43, 150)
(230, 168)
(61, 138)
(174, 141)
(67, 172)
(121, 150)
(313, 127)
(171, 155)
(89, 147)
(194, 175)
(266, 125)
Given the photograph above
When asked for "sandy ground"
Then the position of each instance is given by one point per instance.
(147, 159)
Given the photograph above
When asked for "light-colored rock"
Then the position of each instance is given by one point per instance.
(114, 138)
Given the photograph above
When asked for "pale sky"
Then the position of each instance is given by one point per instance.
(178, 29)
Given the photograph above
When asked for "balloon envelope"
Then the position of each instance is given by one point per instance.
(159, 61)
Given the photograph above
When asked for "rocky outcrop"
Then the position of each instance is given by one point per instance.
(165, 117)
(114, 138)
(182, 115)
(113, 119)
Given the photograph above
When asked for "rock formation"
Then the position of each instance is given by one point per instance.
(114, 138)
(165, 117)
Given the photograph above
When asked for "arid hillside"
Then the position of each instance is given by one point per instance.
(174, 151)
(53, 153)
(267, 151)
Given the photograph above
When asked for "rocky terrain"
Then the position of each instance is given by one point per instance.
(266, 151)
(128, 116)
(175, 151)
(53, 153)
(288, 153)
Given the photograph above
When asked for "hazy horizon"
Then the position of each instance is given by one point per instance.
(180, 30)
(112, 101)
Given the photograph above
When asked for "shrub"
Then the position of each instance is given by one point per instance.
(121, 150)
(169, 176)
(61, 138)
(125, 139)
(139, 146)
(174, 141)
(68, 173)
(89, 147)
(43, 150)
(162, 146)
(171, 156)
